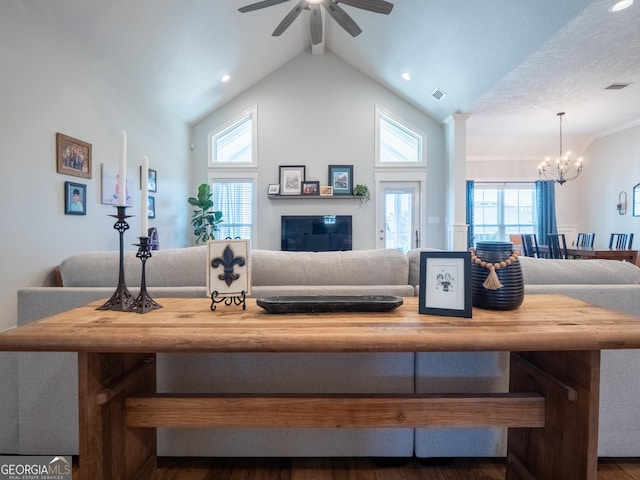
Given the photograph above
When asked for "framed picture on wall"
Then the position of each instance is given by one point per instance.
(445, 284)
(73, 156)
(341, 179)
(291, 178)
(75, 198)
(152, 180)
(151, 207)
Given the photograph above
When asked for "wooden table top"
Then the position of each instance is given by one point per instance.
(543, 322)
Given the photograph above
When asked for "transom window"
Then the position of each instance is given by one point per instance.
(233, 145)
(500, 210)
(397, 142)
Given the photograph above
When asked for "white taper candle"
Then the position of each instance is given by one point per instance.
(122, 172)
(144, 203)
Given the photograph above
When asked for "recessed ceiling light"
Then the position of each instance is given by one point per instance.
(406, 75)
(621, 5)
(225, 78)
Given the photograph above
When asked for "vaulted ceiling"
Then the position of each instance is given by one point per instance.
(512, 65)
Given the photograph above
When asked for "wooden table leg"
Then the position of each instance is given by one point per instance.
(108, 449)
(567, 447)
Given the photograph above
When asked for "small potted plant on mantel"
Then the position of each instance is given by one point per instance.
(361, 192)
(205, 220)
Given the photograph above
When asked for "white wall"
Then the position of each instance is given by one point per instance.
(614, 167)
(50, 83)
(316, 111)
(588, 203)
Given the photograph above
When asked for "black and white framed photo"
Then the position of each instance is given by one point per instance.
(291, 178)
(341, 179)
(274, 189)
(445, 284)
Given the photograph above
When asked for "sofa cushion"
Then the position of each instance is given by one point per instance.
(166, 268)
(543, 271)
(353, 267)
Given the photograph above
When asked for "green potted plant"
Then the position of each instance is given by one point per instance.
(361, 192)
(205, 220)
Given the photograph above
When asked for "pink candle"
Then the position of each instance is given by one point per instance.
(144, 200)
(122, 172)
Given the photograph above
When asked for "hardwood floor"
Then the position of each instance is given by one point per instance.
(172, 468)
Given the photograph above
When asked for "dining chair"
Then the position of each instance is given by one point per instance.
(530, 245)
(585, 239)
(557, 245)
(619, 241)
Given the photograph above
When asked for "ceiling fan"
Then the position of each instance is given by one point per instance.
(331, 6)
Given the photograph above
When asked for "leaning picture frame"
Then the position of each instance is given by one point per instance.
(445, 284)
(291, 178)
(341, 179)
(75, 198)
(311, 188)
(274, 189)
(73, 156)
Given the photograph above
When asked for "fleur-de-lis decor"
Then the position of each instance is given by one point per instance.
(228, 260)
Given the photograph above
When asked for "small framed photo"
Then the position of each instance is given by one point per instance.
(326, 191)
(73, 156)
(341, 179)
(291, 178)
(151, 207)
(445, 284)
(152, 180)
(310, 188)
(274, 189)
(75, 198)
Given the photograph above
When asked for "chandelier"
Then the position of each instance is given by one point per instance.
(560, 171)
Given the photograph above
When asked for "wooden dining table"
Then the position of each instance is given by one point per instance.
(588, 253)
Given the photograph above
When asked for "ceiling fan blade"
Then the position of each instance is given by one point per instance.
(377, 6)
(343, 19)
(259, 5)
(288, 20)
(316, 25)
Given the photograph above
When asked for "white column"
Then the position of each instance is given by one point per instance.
(456, 138)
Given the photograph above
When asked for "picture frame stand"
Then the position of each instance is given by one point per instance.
(239, 299)
(122, 299)
(144, 303)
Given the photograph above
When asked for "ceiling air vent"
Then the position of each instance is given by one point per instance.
(617, 86)
(438, 94)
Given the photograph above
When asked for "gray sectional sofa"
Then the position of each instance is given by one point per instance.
(38, 414)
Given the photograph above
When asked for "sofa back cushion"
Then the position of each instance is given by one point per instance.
(544, 271)
(353, 267)
(166, 268)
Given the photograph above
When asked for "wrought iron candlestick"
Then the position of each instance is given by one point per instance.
(121, 300)
(144, 303)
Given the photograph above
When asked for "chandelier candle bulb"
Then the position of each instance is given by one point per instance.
(144, 201)
(122, 171)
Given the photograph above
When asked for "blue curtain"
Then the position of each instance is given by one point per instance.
(470, 187)
(546, 206)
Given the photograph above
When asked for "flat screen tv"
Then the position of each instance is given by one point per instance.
(315, 233)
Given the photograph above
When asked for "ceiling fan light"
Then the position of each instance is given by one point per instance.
(621, 5)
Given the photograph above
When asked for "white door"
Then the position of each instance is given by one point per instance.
(398, 218)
